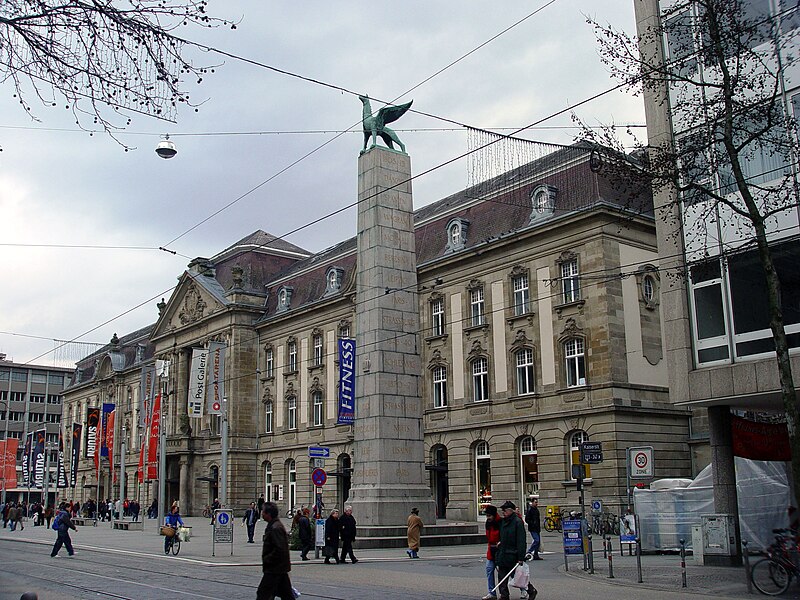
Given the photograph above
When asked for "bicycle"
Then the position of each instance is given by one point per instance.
(207, 512)
(553, 522)
(172, 543)
(773, 575)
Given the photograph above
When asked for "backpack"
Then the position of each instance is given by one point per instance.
(56, 522)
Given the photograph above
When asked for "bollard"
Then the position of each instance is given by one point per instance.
(639, 559)
(566, 562)
(606, 548)
(746, 557)
(683, 562)
(591, 556)
(610, 559)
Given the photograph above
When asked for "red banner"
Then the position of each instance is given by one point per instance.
(152, 443)
(8, 451)
(760, 441)
(143, 445)
(110, 442)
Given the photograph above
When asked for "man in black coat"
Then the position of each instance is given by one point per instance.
(533, 519)
(332, 537)
(306, 536)
(250, 519)
(275, 560)
(347, 531)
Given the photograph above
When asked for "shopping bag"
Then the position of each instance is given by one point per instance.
(522, 577)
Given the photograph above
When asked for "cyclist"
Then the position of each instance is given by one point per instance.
(173, 520)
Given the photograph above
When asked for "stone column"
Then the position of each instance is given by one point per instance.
(389, 462)
(723, 476)
(183, 489)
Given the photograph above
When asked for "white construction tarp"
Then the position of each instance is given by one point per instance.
(667, 515)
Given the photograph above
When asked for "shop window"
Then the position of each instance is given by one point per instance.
(483, 476)
(529, 466)
(269, 494)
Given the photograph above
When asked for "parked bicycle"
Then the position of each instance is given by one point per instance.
(207, 512)
(773, 575)
(605, 524)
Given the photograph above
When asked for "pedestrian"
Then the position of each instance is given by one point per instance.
(305, 533)
(118, 509)
(533, 519)
(11, 516)
(152, 512)
(511, 548)
(250, 519)
(347, 531)
(260, 504)
(275, 560)
(493, 539)
(215, 505)
(48, 515)
(332, 537)
(173, 519)
(19, 516)
(415, 526)
(64, 523)
(135, 507)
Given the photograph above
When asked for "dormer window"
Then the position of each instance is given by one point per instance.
(284, 298)
(333, 280)
(456, 234)
(543, 202)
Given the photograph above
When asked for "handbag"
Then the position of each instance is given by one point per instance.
(522, 577)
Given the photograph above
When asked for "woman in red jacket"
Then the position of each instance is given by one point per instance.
(493, 538)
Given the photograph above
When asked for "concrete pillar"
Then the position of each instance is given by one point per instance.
(388, 454)
(723, 474)
(183, 490)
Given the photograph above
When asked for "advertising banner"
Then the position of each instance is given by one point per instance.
(110, 441)
(92, 423)
(152, 441)
(38, 457)
(347, 381)
(108, 408)
(197, 383)
(147, 389)
(8, 448)
(61, 469)
(27, 455)
(760, 441)
(215, 389)
(76, 453)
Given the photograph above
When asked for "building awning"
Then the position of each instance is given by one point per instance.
(764, 401)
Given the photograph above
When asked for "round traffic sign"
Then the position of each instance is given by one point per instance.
(319, 477)
(223, 518)
(640, 460)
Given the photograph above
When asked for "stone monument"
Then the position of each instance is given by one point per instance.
(389, 460)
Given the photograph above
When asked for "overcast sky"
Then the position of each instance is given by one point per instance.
(59, 185)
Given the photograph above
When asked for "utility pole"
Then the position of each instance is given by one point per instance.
(223, 463)
(162, 459)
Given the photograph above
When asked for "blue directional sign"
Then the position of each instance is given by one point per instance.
(223, 518)
(319, 452)
(573, 536)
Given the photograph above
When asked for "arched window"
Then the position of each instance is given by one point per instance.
(292, 468)
(268, 491)
(575, 439)
(529, 467)
(483, 476)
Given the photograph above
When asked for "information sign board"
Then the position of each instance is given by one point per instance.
(591, 453)
(573, 536)
(223, 526)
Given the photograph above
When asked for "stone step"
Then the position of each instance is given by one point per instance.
(441, 534)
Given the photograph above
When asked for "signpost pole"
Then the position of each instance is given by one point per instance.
(223, 463)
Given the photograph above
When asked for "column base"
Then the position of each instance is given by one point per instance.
(391, 505)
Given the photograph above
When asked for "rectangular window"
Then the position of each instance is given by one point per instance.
(525, 382)
(678, 30)
(317, 404)
(437, 316)
(21, 376)
(268, 417)
(521, 295)
(292, 357)
(37, 398)
(570, 282)
(52, 418)
(37, 377)
(344, 331)
(56, 379)
(292, 413)
(480, 380)
(317, 350)
(54, 399)
(270, 363)
(16, 415)
(575, 362)
(17, 435)
(35, 417)
(4, 375)
(439, 387)
(18, 396)
(477, 307)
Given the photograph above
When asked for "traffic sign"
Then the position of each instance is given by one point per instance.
(223, 526)
(597, 507)
(319, 452)
(319, 477)
(640, 462)
(591, 453)
(319, 463)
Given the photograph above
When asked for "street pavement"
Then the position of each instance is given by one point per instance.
(131, 564)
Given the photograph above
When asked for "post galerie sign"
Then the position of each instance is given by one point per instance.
(197, 383)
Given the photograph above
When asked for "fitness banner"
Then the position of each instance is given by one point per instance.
(215, 388)
(143, 443)
(760, 441)
(76, 453)
(147, 389)
(61, 472)
(152, 441)
(347, 381)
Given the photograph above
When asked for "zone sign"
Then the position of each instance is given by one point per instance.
(640, 462)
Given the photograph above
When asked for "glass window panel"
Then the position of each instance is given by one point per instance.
(709, 315)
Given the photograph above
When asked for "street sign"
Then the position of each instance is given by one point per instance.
(597, 507)
(640, 462)
(319, 477)
(573, 536)
(319, 452)
(223, 526)
(319, 463)
(591, 453)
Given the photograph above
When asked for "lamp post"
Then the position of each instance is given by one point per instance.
(122, 450)
(48, 448)
(223, 463)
